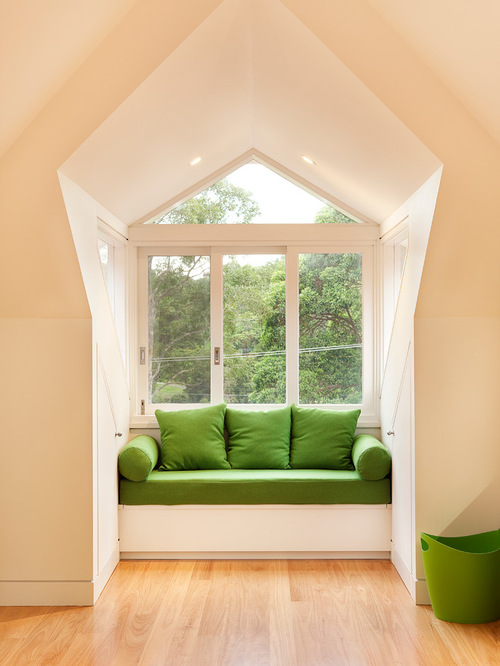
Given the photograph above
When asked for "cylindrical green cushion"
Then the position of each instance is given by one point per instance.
(138, 458)
(371, 458)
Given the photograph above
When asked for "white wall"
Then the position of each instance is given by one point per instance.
(397, 394)
(111, 403)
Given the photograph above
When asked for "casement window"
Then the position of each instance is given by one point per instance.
(112, 256)
(256, 325)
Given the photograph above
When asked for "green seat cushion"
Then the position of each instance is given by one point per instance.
(259, 486)
(138, 458)
(259, 439)
(322, 439)
(193, 438)
(371, 458)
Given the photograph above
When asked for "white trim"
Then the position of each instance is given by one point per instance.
(216, 327)
(242, 234)
(105, 574)
(253, 555)
(417, 587)
(110, 224)
(390, 234)
(292, 325)
(111, 234)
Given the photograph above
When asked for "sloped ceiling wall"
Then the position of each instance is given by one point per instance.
(458, 40)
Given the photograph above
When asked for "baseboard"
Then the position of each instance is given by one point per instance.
(416, 587)
(257, 555)
(46, 593)
(57, 592)
(421, 592)
(102, 579)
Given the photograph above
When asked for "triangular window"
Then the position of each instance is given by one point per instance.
(254, 194)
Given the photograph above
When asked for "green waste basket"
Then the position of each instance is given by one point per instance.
(463, 576)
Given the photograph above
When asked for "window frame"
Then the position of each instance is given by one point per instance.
(238, 242)
(119, 295)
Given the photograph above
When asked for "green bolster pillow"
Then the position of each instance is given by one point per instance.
(138, 458)
(371, 458)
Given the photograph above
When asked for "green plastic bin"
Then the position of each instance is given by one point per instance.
(463, 576)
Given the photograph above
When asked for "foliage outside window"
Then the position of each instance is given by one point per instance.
(254, 320)
(254, 329)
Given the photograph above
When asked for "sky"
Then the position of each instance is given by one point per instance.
(280, 201)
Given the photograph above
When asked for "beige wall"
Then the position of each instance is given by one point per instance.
(46, 331)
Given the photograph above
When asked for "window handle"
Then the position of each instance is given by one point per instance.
(216, 355)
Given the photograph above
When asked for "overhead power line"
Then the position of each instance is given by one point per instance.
(304, 350)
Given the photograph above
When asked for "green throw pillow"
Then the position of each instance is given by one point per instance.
(193, 438)
(138, 458)
(259, 440)
(322, 438)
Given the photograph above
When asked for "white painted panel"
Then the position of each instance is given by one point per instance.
(402, 476)
(254, 528)
(107, 485)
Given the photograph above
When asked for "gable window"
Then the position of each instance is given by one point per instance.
(255, 315)
(254, 194)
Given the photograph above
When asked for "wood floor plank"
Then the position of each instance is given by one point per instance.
(246, 613)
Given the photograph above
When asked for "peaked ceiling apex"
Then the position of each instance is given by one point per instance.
(251, 77)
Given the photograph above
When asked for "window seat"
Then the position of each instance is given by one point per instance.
(256, 512)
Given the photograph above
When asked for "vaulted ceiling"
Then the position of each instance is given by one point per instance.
(251, 77)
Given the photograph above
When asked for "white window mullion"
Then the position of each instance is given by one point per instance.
(216, 328)
(142, 331)
(292, 325)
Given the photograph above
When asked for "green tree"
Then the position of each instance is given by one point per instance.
(247, 302)
(329, 215)
(179, 329)
(330, 306)
(221, 203)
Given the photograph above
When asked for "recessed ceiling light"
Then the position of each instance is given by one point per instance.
(195, 161)
(308, 160)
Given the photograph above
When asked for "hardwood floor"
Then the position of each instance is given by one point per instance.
(244, 613)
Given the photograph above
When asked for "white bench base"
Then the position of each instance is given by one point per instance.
(255, 531)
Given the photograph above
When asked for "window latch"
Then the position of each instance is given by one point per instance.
(142, 355)
(216, 355)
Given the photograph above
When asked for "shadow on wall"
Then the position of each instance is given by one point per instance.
(476, 517)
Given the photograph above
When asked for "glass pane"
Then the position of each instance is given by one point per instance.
(254, 193)
(254, 329)
(179, 329)
(330, 329)
(106, 255)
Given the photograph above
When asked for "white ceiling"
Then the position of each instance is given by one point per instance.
(251, 76)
